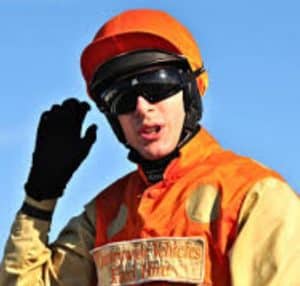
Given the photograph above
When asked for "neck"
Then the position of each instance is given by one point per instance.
(153, 169)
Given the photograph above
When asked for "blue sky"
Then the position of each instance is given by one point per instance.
(250, 48)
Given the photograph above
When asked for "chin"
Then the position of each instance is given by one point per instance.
(156, 153)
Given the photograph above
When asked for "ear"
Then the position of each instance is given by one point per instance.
(202, 82)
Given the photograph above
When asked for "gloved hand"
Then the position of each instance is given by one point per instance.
(59, 149)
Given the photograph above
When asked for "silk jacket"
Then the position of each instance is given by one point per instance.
(215, 219)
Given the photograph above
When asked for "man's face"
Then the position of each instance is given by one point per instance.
(154, 129)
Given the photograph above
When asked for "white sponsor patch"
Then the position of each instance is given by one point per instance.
(174, 259)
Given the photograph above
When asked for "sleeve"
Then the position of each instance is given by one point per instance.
(267, 250)
(30, 261)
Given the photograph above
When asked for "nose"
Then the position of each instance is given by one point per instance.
(143, 106)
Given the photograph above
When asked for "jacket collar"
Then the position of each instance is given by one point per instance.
(197, 150)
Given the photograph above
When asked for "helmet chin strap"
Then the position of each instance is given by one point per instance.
(137, 61)
(154, 169)
(187, 135)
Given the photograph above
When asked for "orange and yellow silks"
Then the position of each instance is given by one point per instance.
(180, 229)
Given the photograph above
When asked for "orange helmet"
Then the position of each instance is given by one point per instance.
(137, 30)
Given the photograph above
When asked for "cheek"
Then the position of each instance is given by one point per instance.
(127, 128)
(176, 120)
(177, 128)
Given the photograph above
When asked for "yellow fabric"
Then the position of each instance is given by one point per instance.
(267, 250)
(30, 261)
(46, 205)
(265, 253)
(201, 195)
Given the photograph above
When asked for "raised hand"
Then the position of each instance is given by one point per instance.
(59, 148)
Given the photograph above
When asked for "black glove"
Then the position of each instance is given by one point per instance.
(59, 149)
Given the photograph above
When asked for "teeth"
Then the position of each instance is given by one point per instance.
(152, 129)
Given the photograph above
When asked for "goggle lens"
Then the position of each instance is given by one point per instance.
(121, 96)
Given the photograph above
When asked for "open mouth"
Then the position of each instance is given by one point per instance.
(150, 132)
(154, 129)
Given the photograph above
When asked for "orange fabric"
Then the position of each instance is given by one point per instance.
(159, 210)
(139, 29)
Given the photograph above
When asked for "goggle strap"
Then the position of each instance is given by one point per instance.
(199, 71)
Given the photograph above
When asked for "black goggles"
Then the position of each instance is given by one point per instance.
(120, 97)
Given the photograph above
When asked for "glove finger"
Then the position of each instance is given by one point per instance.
(49, 118)
(49, 126)
(57, 120)
(70, 104)
(55, 108)
(83, 109)
(76, 111)
(44, 117)
(70, 113)
(43, 124)
(89, 139)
